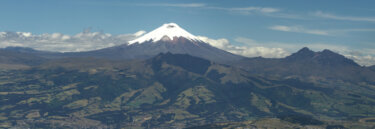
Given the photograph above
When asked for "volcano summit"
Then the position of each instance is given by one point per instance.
(167, 38)
(165, 32)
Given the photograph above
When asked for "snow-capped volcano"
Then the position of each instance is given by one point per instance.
(165, 32)
(167, 38)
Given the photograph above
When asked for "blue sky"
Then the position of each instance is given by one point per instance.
(345, 26)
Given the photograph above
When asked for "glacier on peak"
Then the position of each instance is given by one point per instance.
(169, 30)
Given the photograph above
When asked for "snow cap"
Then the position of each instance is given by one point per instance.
(169, 30)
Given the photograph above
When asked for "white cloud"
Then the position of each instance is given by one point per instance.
(219, 43)
(242, 10)
(269, 10)
(261, 52)
(248, 51)
(346, 18)
(366, 60)
(139, 33)
(247, 10)
(364, 56)
(299, 29)
(255, 9)
(83, 41)
(184, 5)
(331, 32)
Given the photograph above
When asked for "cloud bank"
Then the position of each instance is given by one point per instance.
(345, 18)
(299, 29)
(83, 41)
(331, 32)
(255, 9)
(183, 5)
(241, 10)
(248, 51)
(253, 48)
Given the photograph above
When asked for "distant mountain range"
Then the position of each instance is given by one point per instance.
(170, 79)
(304, 64)
(310, 65)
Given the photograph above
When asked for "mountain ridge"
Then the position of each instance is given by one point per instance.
(325, 57)
(309, 65)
